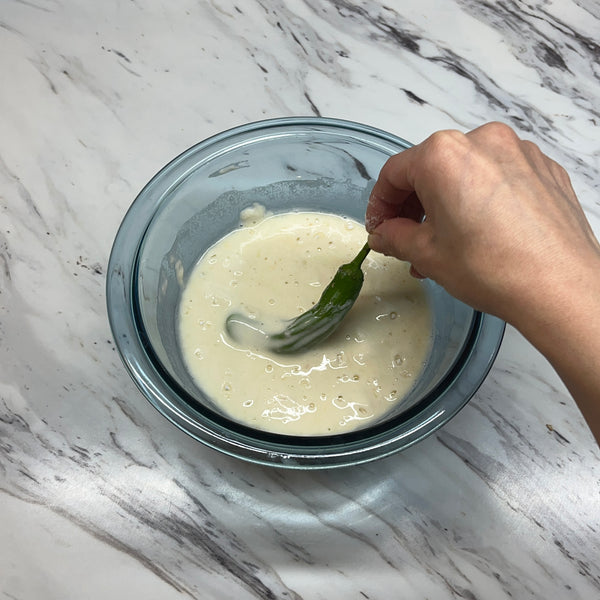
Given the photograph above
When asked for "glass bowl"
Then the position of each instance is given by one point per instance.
(284, 164)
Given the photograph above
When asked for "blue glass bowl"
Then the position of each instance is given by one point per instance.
(285, 164)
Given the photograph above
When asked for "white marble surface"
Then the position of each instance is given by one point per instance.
(99, 496)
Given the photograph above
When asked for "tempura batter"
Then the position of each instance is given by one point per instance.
(274, 268)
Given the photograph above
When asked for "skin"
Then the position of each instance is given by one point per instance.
(505, 233)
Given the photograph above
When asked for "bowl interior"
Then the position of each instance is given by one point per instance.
(198, 199)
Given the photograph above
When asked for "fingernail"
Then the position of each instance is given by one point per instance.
(416, 273)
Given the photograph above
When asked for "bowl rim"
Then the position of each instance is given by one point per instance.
(235, 439)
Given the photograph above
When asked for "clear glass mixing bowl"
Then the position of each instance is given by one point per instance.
(285, 164)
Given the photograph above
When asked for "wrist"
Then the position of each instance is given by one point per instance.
(560, 295)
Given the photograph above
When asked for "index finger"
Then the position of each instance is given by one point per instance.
(393, 194)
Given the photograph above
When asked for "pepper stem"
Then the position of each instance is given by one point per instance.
(357, 261)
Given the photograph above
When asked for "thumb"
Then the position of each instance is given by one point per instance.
(395, 237)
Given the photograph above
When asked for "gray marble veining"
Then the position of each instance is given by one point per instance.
(99, 496)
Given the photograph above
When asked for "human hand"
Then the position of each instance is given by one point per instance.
(502, 222)
(505, 233)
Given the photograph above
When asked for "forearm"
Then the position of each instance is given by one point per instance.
(564, 325)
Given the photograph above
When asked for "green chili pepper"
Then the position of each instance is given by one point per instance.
(318, 323)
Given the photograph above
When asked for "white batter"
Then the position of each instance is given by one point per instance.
(275, 268)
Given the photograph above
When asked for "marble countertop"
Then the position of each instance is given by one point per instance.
(100, 497)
